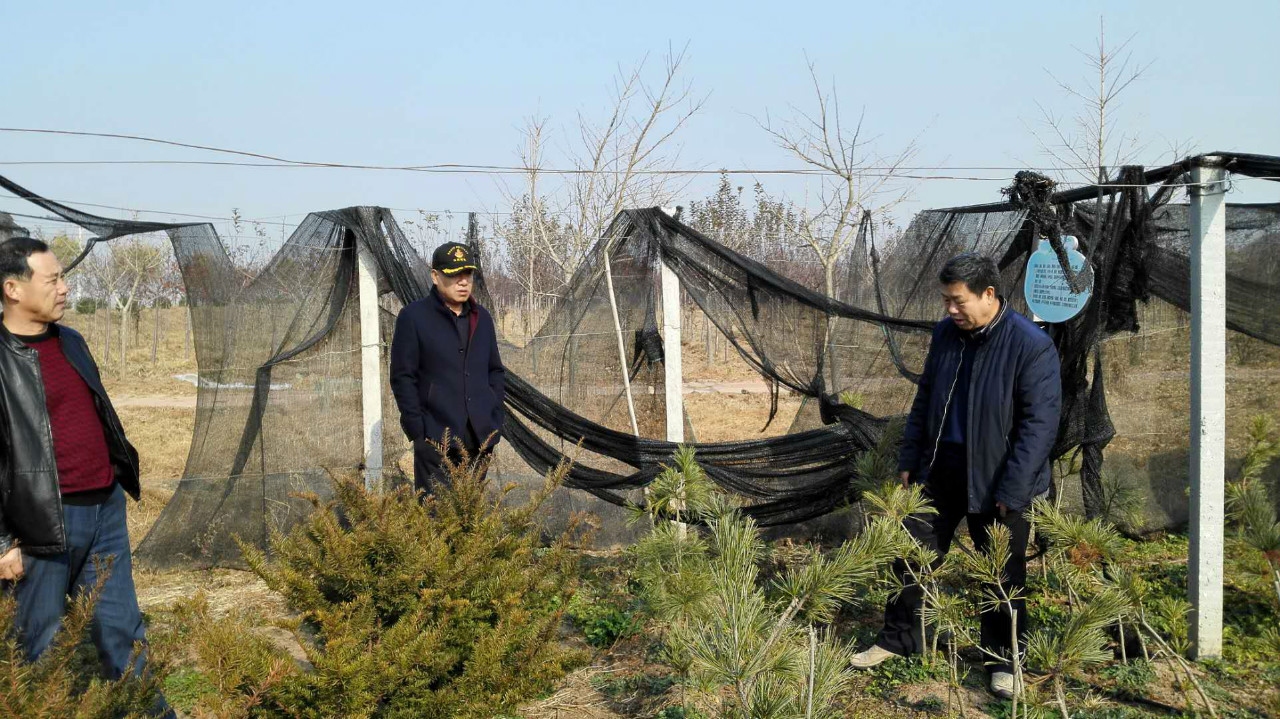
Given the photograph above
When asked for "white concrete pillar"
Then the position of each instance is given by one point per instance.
(673, 362)
(1208, 228)
(671, 355)
(371, 379)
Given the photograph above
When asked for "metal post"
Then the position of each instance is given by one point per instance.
(1208, 228)
(370, 368)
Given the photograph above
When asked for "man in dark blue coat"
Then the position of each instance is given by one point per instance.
(446, 374)
(978, 440)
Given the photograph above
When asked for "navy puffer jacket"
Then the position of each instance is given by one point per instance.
(1015, 398)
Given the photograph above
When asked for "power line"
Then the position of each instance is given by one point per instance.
(279, 219)
(477, 170)
(273, 161)
(877, 172)
(267, 160)
(127, 209)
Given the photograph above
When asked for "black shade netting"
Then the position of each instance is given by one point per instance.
(278, 348)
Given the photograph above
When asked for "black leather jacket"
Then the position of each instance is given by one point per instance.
(30, 503)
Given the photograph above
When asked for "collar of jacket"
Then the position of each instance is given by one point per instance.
(471, 302)
(984, 333)
(9, 340)
(473, 317)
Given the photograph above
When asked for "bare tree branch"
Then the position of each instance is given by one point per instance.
(1096, 143)
(848, 187)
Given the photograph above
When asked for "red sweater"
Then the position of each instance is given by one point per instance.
(79, 443)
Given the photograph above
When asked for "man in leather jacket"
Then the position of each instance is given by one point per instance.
(65, 467)
(978, 440)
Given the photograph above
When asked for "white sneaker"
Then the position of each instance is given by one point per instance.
(872, 657)
(1002, 684)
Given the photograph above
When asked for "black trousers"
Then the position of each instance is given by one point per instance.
(947, 489)
(428, 465)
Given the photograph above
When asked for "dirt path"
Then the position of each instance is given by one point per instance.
(188, 402)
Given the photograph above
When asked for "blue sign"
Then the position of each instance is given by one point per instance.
(1047, 292)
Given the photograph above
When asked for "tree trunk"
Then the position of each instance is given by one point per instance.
(124, 337)
(529, 328)
(1062, 696)
(829, 284)
(106, 336)
(155, 334)
(706, 320)
(1015, 659)
(813, 669)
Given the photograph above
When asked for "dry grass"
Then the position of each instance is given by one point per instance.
(162, 436)
(140, 376)
(723, 417)
(725, 364)
(228, 590)
(577, 698)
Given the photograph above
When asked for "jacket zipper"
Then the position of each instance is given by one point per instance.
(942, 426)
(938, 441)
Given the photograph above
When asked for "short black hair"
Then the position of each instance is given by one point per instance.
(13, 256)
(976, 271)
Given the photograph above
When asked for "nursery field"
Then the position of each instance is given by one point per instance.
(617, 638)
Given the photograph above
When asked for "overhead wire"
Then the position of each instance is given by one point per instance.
(275, 160)
(868, 172)
(264, 160)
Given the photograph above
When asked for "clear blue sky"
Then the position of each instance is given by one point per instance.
(416, 83)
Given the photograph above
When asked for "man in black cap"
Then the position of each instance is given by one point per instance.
(446, 374)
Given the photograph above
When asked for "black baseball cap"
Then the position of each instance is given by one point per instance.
(452, 258)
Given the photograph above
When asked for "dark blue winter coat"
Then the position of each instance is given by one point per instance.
(1015, 398)
(438, 383)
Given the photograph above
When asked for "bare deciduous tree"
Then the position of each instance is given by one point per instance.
(138, 269)
(855, 177)
(1088, 142)
(615, 163)
(620, 161)
(533, 238)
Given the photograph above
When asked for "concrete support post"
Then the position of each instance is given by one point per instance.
(371, 379)
(673, 362)
(671, 354)
(1208, 228)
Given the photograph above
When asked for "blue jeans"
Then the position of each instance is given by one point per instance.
(92, 531)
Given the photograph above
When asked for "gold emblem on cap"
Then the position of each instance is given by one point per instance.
(459, 255)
